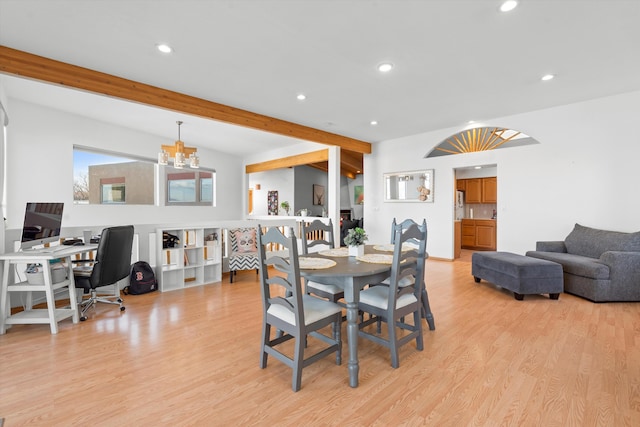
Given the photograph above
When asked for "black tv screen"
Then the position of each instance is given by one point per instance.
(42, 223)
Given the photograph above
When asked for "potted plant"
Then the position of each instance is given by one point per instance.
(355, 239)
(285, 205)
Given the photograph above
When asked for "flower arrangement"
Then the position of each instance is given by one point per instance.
(285, 205)
(355, 237)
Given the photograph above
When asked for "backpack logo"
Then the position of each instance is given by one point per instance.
(139, 276)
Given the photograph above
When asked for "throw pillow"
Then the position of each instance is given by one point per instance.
(246, 240)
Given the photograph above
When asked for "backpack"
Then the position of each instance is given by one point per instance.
(141, 280)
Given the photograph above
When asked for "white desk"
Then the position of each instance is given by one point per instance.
(51, 314)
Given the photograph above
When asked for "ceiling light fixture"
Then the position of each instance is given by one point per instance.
(179, 153)
(547, 77)
(373, 122)
(164, 48)
(385, 67)
(301, 96)
(508, 5)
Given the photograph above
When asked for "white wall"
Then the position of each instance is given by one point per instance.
(584, 170)
(281, 180)
(40, 152)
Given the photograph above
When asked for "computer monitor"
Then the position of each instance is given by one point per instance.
(42, 223)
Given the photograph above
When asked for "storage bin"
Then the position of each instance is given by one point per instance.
(57, 276)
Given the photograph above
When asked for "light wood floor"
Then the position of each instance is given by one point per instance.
(191, 358)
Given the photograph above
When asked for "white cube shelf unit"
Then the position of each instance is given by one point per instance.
(196, 260)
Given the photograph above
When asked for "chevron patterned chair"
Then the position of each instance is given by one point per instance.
(244, 251)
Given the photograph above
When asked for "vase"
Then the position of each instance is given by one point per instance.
(356, 250)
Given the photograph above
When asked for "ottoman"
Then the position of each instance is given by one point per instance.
(518, 273)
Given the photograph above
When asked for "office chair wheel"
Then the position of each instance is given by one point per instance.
(122, 308)
(83, 318)
(120, 300)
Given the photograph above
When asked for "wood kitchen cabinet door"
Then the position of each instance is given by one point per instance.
(490, 190)
(468, 233)
(485, 234)
(473, 192)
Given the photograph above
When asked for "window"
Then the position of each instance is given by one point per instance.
(109, 178)
(189, 187)
(101, 177)
(113, 190)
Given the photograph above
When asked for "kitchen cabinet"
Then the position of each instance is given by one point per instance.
(480, 190)
(473, 193)
(479, 234)
(461, 184)
(490, 190)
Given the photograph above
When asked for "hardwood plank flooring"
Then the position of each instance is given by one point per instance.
(191, 357)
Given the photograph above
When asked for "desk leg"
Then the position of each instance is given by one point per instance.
(72, 292)
(51, 300)
(352, 338)
(5, 306)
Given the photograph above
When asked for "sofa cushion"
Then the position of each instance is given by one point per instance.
(575, 264)
(591, 242)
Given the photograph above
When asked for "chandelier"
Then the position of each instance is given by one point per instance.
(179, 153)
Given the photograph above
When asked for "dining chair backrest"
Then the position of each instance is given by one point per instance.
(284, 291)
(317, 235)
(409, 253)
(403, 225)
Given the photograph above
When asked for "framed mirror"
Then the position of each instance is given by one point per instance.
(414, 186)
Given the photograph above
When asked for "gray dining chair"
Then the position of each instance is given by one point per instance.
(426, 307)
(287, 308)
(392, 302)
(317, 236)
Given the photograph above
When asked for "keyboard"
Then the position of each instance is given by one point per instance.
(52, 249)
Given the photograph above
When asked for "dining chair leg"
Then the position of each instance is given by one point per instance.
(298, 363)
(335, 327)
(417, 321)
(393, 343)
(266, 332)
(426, 309)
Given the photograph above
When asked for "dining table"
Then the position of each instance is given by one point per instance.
(352, 274)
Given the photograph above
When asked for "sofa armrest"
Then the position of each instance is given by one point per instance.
(551, 246)
(624, 268)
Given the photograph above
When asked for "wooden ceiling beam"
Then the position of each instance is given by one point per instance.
(291, 161)
(24, 64)
(351, 159)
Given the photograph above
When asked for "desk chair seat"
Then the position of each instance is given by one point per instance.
(112, 264)
(294, 314)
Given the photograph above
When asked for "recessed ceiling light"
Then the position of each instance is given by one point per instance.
(385, 67)
(373, 122)
(301, 96)
(478, 167)
(470, 122)
(547, 77)
(164, 48)
(508, 5)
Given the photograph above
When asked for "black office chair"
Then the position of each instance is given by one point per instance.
(112, 264)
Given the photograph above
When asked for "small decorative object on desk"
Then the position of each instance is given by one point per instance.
(355, 239)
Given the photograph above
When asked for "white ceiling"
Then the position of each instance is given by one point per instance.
(455, 60)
